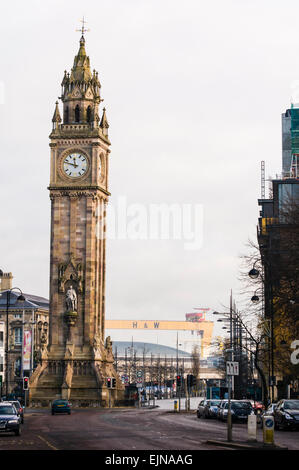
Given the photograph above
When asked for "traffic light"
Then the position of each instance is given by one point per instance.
(191, 380)
(113, 382)
(109, 382)
(179, 380)
(25, 383)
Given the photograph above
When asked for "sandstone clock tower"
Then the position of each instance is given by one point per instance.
(78, 360)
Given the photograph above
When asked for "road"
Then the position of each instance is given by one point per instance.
(125, 429)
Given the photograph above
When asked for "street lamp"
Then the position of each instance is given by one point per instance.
(255, 299)
(254, 273)
(267, 295)
(20, 299)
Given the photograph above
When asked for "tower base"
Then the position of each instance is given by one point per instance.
(77, 374)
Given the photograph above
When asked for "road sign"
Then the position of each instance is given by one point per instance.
(124, 379)
(268, 430)
(232, 368)
(139, 373)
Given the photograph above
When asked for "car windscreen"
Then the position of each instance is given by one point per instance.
(214, 403)
(16, 404)
(239, 405)
(60, 402)
(7, 410)
(291, 405)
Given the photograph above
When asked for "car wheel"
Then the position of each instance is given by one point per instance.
(18, 432)
(69, 413)
(53, 413)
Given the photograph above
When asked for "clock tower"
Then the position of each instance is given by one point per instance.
(78, 359)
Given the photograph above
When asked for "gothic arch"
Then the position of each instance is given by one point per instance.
(88, 114)
(77, 113)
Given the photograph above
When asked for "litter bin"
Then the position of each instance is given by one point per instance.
(175, 405)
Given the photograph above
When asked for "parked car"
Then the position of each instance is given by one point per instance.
(19, 409)
(220, 407)
(61, 406)
(258, 407)
(240, 410)
(208, 408)
(10, 421)
(268, 412)
(286, 414)
(211, 408)
(200, 408)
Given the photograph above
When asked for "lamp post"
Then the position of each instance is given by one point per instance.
(20, 299)
(178, 393)
(267, 289)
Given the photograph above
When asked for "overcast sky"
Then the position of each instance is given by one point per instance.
(194, 93)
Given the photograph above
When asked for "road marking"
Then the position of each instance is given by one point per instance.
(48, 443)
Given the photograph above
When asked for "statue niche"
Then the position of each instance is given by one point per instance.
(70, 271)
(71, 303)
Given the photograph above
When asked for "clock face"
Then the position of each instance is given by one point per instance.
(75, 165)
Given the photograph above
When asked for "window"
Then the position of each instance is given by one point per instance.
(88, 114)
(77, 113)
(1, 363)
(1, 339)
(17, 367)
(66, 115)
(18, 336)
(18, 315)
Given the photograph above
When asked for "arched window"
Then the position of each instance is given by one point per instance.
(66, 115)
(77, 113)
(88, 114)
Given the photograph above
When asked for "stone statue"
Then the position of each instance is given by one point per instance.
(108, 344)
(71, 299)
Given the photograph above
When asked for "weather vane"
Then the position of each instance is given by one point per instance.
(83, 29)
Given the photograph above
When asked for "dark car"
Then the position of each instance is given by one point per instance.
(286, 414)
(240, 411)
(19, 409)
(61, 406)
(10, 421)
(209, 409)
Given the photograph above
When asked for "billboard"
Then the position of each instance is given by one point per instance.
(27, 350)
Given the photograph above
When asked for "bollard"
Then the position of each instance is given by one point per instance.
(252, 428)
(175, 405)
(268, 430)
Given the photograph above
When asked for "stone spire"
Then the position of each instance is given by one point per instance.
(104, 123)
(80, 90)
(81, 69)
(56, 117)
